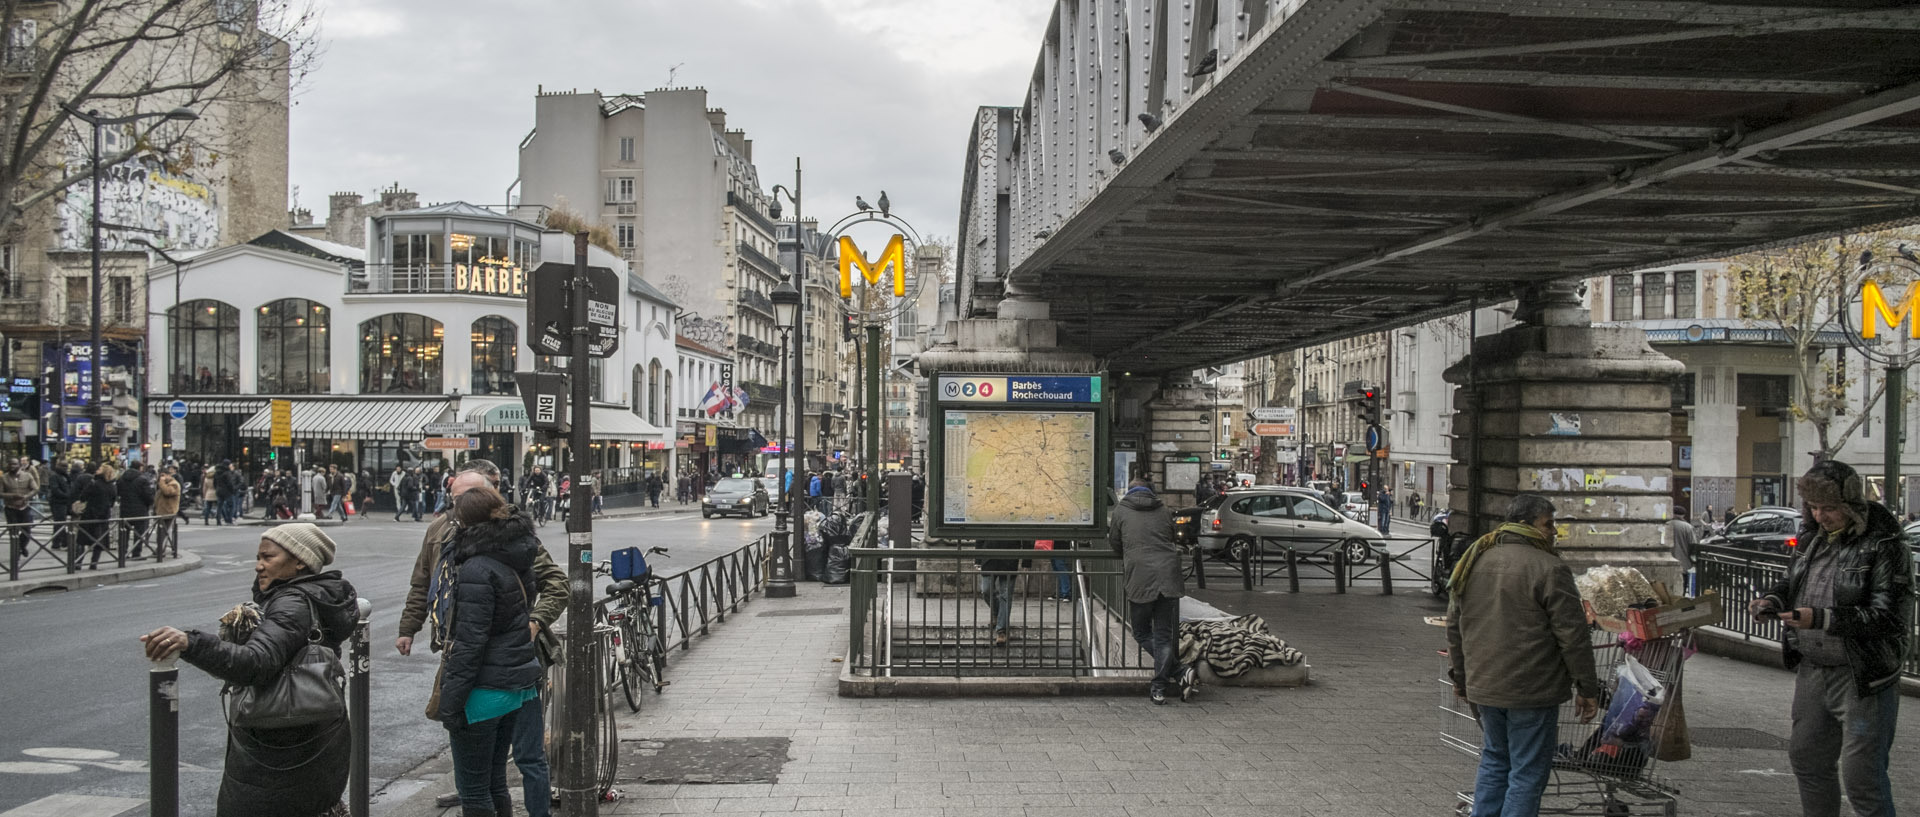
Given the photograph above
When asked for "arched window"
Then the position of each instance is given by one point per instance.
(294, 358)
(494, 344)
(205, 346)
(401, 354)
(637, 394)
(653, 392)
(666, 396)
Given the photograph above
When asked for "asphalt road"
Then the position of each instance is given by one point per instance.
(76, 682)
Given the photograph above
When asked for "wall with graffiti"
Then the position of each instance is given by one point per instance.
(172, 210)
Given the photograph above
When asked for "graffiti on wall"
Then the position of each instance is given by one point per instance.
(172, 210)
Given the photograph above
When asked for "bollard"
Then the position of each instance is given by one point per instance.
(1293, 570)
(1339, 569)
(359, 688)
(163, 738)
(1200, 567)
(1246, 567)
(1386, 570)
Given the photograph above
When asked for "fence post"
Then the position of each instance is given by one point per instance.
(120, 539)
(1340, 570)
(1386, 569)
(163, 738)
(1293, 570)
(13, 548)
(1246, 565)
(1199, 567)
(359, 710)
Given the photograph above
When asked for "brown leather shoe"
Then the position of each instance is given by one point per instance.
(1000, 638)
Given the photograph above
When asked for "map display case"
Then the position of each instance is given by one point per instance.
(1019, 456)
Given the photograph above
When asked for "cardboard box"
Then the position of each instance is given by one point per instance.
(1667, 619)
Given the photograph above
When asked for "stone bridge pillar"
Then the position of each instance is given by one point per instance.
(1575, 413)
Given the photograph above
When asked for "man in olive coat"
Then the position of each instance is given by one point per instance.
(1141, 531)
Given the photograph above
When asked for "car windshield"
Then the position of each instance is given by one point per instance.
(1354, 498)
(733, 486)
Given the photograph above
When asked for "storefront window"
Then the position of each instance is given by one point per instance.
(294, 358)
(494, 342)
(205, 347)
(401, 354)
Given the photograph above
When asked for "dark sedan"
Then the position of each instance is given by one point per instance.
(1766, 529)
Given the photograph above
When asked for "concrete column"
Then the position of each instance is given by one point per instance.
(1179, 436)
(1578, 414)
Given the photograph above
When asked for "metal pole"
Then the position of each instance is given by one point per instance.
(163, 738)
(93, 404)
(873, 435)
(796, 556)
(359, 709)
(1894, 438)
(579, 795)
(780, 584)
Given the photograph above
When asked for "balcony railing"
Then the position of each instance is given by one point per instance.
(759, 259)
(419, 279)
(757, 302)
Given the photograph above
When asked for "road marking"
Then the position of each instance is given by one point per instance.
(35, 767)
(66, 753)
(75, 805)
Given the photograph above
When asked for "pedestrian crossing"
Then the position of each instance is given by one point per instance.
(75, 805)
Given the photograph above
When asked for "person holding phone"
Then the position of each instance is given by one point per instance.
(1845, 604)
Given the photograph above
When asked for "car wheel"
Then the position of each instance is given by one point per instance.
(1239, 549)
(1358, 551)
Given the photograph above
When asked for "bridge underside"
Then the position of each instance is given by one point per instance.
(1441, 150)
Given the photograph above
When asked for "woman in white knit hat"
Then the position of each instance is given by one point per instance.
(297, 771)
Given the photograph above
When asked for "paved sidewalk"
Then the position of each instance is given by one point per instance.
(1363, 739)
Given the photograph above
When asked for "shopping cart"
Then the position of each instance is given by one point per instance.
(1606, 767)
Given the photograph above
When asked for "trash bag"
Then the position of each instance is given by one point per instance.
(836, 564)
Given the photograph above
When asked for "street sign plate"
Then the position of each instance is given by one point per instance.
(450, 443)
(177, 409)
(1376, 438)
(281, 433)
(550, 309)
(446, 429)
(544, 394)
(1273, 414)
(1273, 429)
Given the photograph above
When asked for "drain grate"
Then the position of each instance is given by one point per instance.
(703, 760)
(805, 611)
(1735, 737)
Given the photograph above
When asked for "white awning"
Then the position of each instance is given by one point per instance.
(621, 424)
(366, 419)
(495, 414)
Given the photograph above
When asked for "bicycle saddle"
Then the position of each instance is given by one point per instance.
(618, 588)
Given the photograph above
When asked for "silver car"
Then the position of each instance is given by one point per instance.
(1294, 517)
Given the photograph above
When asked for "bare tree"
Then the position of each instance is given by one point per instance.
(128, 57)
(1799, 291)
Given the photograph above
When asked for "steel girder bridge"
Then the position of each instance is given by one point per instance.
(1204, 181)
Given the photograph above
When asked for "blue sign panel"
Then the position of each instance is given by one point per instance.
(1020, 388)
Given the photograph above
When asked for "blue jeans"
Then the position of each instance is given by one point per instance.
(1516, 756)
(209, 511)
(1064, 574)
(337, 507)
(480, 759)
(1841, 741)
(530, 754)
(997, 589)
(1156, 627)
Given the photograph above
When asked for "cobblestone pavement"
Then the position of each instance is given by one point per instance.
(1363, 739)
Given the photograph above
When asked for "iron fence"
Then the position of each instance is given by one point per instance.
(73, 544)
(694, 599)
(932, 612)
(1252, 560)
(1739, 575)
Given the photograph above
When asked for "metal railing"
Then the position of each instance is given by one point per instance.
(694, 599)
(69, 545)
(1345, 561)
(1738, 575)
(930, 612)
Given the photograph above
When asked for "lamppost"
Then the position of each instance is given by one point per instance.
(93, 117)
(786, 307)
(797, 384)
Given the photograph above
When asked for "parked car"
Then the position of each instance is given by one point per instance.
(1354, 504)
(1186, 521)
(1768, 529)
(745, 497)
(1292, 516)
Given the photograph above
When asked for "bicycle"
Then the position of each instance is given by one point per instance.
(541, 508)
(639, 654)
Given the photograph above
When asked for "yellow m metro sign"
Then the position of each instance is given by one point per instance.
(1874, 307)
(895, 256)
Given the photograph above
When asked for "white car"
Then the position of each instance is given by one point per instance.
(1354, 505)
(1281, 517)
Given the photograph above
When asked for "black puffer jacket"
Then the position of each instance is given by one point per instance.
(99, 494)
(295, 772)
(490, 647)
(1872, 595)
(136, 494)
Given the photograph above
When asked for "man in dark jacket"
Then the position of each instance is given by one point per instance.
(1846, 602)
(1141, 531)
(1517, 640)
(60, 476)
(225, 487)
(136, 503)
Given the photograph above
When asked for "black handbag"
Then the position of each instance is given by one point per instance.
(311, 690)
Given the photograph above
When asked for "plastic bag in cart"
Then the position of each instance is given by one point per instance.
(1624, 740)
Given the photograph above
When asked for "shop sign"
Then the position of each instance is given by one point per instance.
(509, 414)
(490, 276)
(280, 435)
(713, 436)
(656, 445)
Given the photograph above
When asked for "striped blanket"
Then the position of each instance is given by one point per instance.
(1234, 645)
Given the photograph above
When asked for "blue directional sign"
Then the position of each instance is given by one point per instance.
(1020, 388)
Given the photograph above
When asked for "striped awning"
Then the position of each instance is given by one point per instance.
(158, 404)
(364, 419)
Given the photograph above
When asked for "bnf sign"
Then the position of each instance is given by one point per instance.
(1874, 308)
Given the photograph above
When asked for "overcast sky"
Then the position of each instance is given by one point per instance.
(870, 94)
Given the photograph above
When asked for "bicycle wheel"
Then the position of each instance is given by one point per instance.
(630, 683)
(628, 660)
(648, 656)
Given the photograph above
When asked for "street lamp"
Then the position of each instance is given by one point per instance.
(786, 310)
(797, 384)
(93, 117)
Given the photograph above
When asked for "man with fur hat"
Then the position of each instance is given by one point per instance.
(1845, 602)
